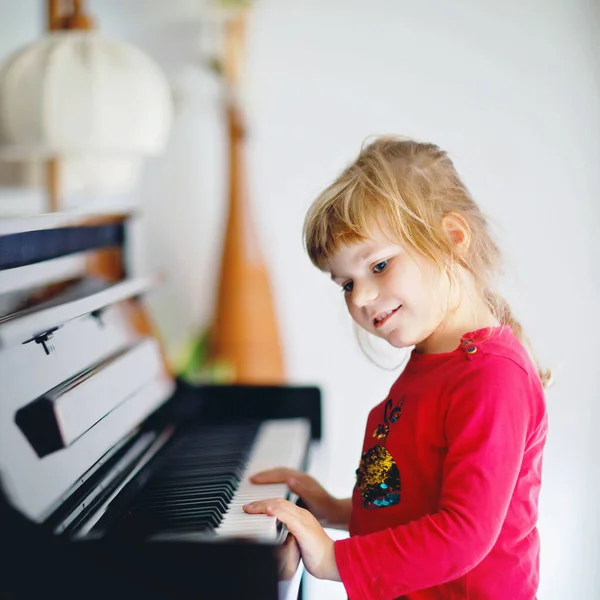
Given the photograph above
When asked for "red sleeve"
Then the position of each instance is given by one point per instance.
(486, 426)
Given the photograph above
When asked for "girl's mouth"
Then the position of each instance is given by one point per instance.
(380, 319)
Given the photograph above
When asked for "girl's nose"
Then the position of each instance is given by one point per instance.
(363, 294)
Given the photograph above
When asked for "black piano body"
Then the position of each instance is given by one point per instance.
(93, 426)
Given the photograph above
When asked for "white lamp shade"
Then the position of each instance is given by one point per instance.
(79, 93)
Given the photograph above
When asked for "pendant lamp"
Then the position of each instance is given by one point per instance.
(96, 104)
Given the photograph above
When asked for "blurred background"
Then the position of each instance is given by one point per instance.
(510, 89)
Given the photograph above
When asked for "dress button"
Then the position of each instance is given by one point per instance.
(472, 349)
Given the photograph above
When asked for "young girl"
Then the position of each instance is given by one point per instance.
(446, 497)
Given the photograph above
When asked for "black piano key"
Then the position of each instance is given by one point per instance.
(191, 483)
(196, 496)
(161, 520)
(226, 492)
(213, 499)
(210, 492)
(226, 478)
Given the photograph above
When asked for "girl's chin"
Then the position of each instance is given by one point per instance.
(396, 339)
(397, 343)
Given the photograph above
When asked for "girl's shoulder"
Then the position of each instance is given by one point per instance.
(481, 351)
(499, 349)
(490, 361)
(498, 368)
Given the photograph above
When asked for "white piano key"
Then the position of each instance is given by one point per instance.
(280, 443)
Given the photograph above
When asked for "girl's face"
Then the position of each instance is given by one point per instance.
(392, 292)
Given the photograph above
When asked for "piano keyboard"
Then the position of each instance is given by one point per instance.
(200, 483)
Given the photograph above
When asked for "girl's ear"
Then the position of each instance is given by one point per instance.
(458, 230)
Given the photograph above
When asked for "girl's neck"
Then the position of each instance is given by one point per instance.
(471, 314)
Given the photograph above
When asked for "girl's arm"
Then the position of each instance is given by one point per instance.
(340, 519)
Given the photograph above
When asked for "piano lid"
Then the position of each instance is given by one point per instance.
(80, 369)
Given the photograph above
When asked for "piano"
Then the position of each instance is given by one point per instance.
(114, 465)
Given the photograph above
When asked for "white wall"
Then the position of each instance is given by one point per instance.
(511, 89)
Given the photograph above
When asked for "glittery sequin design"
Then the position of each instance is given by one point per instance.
(391, 414)
(378, 479)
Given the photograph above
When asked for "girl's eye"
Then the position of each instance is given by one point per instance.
(347, 287)
(380, 266)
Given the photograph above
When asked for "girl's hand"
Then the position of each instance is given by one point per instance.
(316, 499)
(315, 545)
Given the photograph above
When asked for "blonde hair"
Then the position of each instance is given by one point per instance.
(408, 187)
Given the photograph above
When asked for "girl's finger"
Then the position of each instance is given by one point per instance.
(277, 475)
(269, 506)
(284, 510)
(298, 520)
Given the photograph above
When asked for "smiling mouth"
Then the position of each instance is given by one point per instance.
(384, 317)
